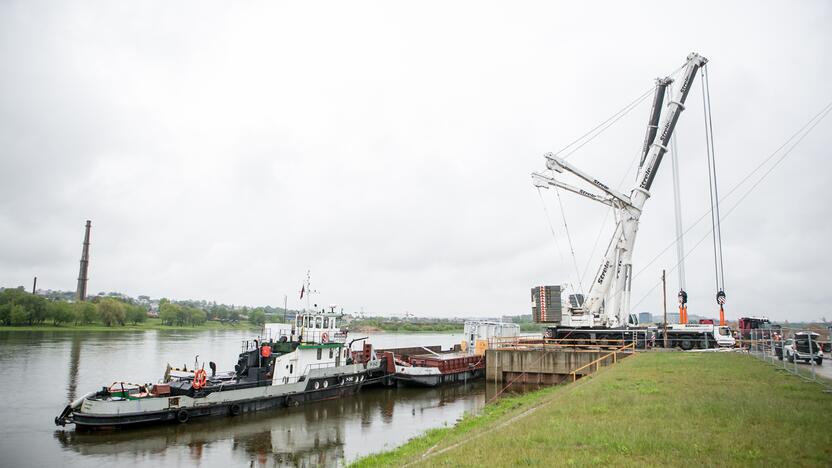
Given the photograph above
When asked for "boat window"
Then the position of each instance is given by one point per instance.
(330, 353)
(320, 352)
(326, 322)
(291, 368)
(320, 322)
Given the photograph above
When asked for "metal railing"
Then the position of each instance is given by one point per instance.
(578, 344)
(765, 346)
(597, 362)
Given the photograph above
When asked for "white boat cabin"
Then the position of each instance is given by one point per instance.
(320, 346)
(308, 327)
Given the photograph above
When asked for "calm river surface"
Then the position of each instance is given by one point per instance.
(42, 371)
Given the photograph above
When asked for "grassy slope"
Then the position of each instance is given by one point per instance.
(150, 324)
(657, 409)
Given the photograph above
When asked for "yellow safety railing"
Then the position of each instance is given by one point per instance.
(551, 343)
(597, 362)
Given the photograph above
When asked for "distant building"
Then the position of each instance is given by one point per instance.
(673, 317)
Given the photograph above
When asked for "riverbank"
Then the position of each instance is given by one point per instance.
(150, 324)
(657, 409)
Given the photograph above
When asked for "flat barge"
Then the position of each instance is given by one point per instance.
(463, 363)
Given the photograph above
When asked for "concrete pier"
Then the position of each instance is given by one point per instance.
(542, 366)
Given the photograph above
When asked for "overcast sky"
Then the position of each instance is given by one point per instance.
(222, 149)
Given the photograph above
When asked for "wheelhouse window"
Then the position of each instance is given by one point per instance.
(320, 353)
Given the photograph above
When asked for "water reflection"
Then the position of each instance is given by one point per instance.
(327, 434)
(59, 366)
(74, 365)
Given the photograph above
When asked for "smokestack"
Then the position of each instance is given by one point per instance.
(81, 292)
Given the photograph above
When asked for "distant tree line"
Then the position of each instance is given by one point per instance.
(436, 325)
(19, 307)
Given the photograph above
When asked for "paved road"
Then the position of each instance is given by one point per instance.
(825, 370)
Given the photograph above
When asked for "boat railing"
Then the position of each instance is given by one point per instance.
(316, 335)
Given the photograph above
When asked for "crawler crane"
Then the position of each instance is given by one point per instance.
(604, 314)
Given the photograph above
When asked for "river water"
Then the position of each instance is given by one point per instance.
(42, 371)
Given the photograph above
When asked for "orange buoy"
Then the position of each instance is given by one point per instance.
(200, 379)
(265, 351)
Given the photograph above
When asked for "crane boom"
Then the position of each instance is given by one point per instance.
(608, 300)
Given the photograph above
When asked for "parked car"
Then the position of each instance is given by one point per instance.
(803, 346)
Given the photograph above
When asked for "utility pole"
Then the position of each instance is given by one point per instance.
(34, 285)
(285, 301)
(664, 306)
(81, 292)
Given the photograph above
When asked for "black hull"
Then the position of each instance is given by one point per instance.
(441, 379)
(182, 415)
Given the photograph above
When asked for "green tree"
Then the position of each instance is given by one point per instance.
(85, 312)
(196, 316)
(18, 314)
(168, 312)
(32, 308)
(136, 314)
(112, 312)
(60, 312)
(257, 317)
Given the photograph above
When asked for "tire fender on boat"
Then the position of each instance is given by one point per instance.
(235, 409)
(182, 416)
(290, 401)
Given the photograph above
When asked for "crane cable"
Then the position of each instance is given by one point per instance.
(551, 227)
(807, 127)
(803, 132)
(716, 229)
(605, 124)
(569, 238)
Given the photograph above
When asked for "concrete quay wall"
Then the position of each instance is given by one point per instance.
(540, 366)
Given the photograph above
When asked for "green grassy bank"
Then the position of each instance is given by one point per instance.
(150, 324)
(655, 409)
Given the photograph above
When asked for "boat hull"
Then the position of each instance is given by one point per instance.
(434, 380)
(93, 414)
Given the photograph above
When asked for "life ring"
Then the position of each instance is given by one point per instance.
(265, 351)
(200, 379)
(182, 416)
(325, 337)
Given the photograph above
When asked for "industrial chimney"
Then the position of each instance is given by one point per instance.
(81, 293)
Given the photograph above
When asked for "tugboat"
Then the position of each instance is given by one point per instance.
(301, 362)
(464, 362)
